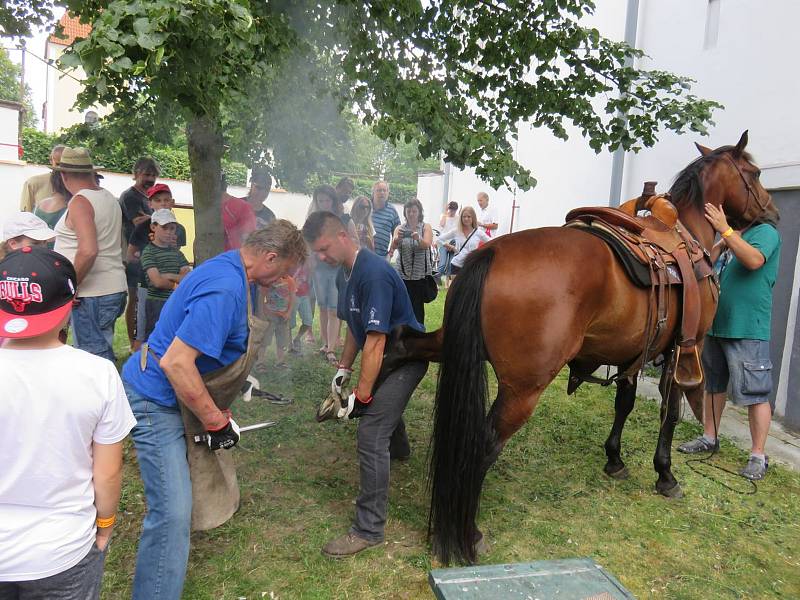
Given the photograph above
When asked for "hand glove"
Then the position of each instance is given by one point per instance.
(224, 438)
(354, 407)
(340, 380)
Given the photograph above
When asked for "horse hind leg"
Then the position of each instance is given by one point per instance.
(623, 405)
(509, 412)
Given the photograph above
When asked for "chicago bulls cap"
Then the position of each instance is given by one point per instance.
(37, 287)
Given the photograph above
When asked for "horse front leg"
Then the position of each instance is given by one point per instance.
(667, 485)
(623, 405)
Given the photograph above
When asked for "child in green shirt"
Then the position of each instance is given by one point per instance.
(163, 264)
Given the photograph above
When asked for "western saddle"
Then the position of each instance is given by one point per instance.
(656, 252)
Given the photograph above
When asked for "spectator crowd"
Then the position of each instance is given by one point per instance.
(76, 259)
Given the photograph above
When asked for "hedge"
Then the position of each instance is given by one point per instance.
(174, 162)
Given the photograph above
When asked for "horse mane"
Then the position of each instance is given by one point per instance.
(687, 190)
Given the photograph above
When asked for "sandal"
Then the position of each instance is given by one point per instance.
(323, 351)
(330, 355)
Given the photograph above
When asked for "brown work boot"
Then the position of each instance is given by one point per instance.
(347, 545)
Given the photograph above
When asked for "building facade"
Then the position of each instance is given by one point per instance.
(740, 54)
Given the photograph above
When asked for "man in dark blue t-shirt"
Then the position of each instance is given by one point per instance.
(375, 301)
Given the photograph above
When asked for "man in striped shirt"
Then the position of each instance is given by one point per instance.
(384, 218)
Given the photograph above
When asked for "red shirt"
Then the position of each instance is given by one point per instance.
(238, 221)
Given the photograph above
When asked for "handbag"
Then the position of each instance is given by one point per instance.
(431, 289)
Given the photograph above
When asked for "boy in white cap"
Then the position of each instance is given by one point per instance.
(163, 264)
(24, 229)
(65, 416)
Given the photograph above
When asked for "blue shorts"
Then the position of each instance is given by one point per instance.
(744, 364)
(302, 306)
(325, 286)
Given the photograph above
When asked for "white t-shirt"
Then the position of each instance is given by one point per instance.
(462, 249)
(55, 403)
(488, 215)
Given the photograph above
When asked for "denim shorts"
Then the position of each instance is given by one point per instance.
(742, 365)
(302, 307)
(325, 286)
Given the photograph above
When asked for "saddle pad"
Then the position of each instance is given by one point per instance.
(638, 273)
(567, 579)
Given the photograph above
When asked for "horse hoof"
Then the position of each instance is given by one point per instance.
(620, 474)
(675, 492)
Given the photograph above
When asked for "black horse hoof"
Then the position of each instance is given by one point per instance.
(675, 492)
(619, 474)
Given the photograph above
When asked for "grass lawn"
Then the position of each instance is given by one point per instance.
(546, 498)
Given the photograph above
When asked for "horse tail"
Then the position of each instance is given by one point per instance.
(459, 440)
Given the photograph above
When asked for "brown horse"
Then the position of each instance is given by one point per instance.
(534, 301)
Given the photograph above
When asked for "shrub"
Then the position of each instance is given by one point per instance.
(174, 162)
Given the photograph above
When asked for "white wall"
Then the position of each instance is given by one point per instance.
(569, 173)
(286, 205)
(9, 133)
(62, 92)
(750, 70)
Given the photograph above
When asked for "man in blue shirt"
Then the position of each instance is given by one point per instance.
(203, 328)
(384, 218)
(375, 302)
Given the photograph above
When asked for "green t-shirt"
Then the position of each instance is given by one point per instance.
(745, 296)
(166, 260)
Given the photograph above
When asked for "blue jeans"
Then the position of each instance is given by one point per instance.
(164, 546)
(93, 323)
(445, 256)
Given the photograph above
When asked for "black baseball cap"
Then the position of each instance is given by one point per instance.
(37, 287)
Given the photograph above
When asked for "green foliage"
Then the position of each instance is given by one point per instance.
(116, 155)
(447, 76)
(10, 74)
(267, 81)
(20, 17)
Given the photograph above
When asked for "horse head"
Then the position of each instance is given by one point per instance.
(731, 180)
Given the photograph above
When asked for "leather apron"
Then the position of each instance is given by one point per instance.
(215, 491)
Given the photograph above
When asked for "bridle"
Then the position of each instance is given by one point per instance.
(750, 191)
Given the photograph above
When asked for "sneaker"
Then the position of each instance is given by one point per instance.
(698, 445)
(755, 468)
(347, 545)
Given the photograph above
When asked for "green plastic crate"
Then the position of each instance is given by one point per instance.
(569, 579)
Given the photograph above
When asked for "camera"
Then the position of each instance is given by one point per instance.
(407, 233)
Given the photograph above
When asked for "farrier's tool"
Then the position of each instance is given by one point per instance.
(202, 438)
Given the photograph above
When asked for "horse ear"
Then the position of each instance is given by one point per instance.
(740, 146)
(703, 150)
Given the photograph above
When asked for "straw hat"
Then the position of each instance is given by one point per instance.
(76, 160)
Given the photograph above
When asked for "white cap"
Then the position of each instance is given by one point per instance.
(27, 224)
(163, 216)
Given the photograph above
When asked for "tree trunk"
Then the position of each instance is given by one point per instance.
(205, 158)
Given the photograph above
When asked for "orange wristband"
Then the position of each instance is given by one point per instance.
(727, 233)
(104, 523)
